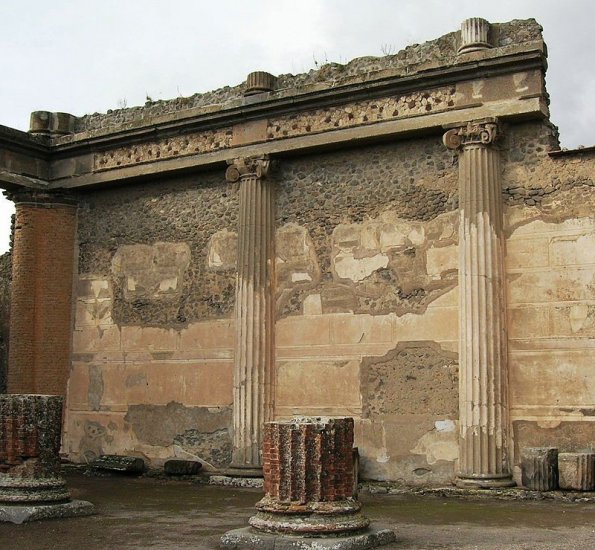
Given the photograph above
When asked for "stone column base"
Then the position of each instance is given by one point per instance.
(487, 482)
(247, 538)
(238, 471)
(34, 512)
(17, 490)
(311, 519)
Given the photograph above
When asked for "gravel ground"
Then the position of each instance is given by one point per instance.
(162, 514)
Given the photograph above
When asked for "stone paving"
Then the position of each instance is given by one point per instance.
(180, 515)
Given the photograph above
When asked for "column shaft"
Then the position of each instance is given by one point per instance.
(254, 342)
(483, 378)
(43, 257)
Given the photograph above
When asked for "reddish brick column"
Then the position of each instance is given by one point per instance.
(43, 258)
(308, 479)
(29, 446)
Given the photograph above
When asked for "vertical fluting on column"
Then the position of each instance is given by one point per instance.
(475, 33)
(254, 341)
(483, 378)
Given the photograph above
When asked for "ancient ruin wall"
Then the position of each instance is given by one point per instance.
(153, 338)
(550, 266)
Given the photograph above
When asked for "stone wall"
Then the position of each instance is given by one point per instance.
(367, 305)
(550, 268)
(153, 340)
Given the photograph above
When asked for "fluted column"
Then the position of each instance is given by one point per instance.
(254, 341)
(483, 379)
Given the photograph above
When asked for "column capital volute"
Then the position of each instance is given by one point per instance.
(41, 197)
(480, 132)
(247, 167)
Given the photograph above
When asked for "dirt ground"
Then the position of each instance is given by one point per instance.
(157, 514)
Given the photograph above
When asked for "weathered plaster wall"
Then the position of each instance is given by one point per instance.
(153, 341)
(5, 267)
(551, 293)
(367, 301)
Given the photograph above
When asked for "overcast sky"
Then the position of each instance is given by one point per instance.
(85, 56)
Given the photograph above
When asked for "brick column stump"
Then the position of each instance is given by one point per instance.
(31, 486)
(309, 491)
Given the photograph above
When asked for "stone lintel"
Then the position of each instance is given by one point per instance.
(523, 109)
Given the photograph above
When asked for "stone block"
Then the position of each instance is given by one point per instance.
(539, 468)
(117, 463)
(36, 512)
(182, 467)
(577, 471)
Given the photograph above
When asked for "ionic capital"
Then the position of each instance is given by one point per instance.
(473, 133)
(248, 167)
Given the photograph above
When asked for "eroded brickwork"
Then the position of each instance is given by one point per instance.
(41, 297)
(30, 427)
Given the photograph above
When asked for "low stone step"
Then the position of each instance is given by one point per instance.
(577, 471)
(176, 467)
(118, 463)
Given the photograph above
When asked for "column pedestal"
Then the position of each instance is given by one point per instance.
(308, 481)
(31, 486)
(483, 380)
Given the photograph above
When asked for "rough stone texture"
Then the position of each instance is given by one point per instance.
(30, 429)
(576, 471)
(396, 187)
(135, 223)
(246, 538)
(414, 58)
(539, 468)
(414, 378)
(200, 431)
(5, 275)
(121, 464)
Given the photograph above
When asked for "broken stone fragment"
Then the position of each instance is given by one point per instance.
(577, 471)
(117, 463)
(182, 467)
(539, 467)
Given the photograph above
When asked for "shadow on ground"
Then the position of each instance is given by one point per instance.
(157, 514)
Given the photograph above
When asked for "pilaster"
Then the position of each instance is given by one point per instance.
(254, 340)
(483, 380)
